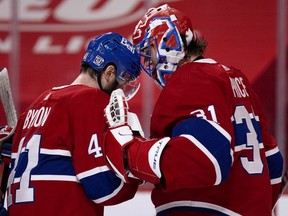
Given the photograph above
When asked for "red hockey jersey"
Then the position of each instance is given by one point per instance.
(58, 164)
(222, 160)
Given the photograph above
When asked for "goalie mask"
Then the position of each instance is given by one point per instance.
(158, 38)
(112, 48)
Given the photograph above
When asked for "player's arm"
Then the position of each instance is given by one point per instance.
(101, 185)
(201, 152)
(127, 153)
(170, 159)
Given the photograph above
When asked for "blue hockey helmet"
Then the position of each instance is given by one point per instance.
(112, 48)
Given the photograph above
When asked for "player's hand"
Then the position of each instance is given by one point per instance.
(123, 126)
(6, 139)
(119, 133)
(6, 132)
(116, 112)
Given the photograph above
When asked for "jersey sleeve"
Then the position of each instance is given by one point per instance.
(199, 122)
(203, 153)
(87, 128)
(273, 155)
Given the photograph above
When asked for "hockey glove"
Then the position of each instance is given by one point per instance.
(117, 110)
(6, 138)
(122, 140)
(6, 132)
(117, 113)
(144, 157)
(119, 133)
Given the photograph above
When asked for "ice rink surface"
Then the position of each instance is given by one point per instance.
(141, 205)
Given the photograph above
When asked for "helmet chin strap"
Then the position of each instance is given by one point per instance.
(114, 86)
(99, 75)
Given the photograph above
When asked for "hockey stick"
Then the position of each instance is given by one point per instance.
(7, 131)
(6, 98)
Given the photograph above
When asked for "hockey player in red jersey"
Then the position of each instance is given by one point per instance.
(58, 165)
(211, 152)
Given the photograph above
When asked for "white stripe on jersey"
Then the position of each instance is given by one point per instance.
(50, 178)
(272, 151)
(47, 151)
(244, 146)
(208, 154)
(92, 172)
(55, 152)
(196, 204)
(276, 180)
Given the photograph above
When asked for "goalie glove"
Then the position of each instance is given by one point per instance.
(117, 113)
(144, 155)
(137, 156)
(135, 125)
(116, 140)
(119, 133)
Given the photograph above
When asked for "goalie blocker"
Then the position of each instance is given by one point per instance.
(127, 153)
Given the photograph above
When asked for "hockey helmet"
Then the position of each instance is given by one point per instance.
(161, 29)
(112, 48)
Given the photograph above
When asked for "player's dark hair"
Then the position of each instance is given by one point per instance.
(86, 68)
(197, 46)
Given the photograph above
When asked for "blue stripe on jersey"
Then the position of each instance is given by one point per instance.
(54, 165)
(47, 165)
(275, 165)
(97, 185)
(241, 130)
(257, 128)
(214, 141)
(101, 184)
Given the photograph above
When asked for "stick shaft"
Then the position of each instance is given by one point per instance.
(6, 98)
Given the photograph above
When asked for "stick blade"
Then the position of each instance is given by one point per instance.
(6, 98)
